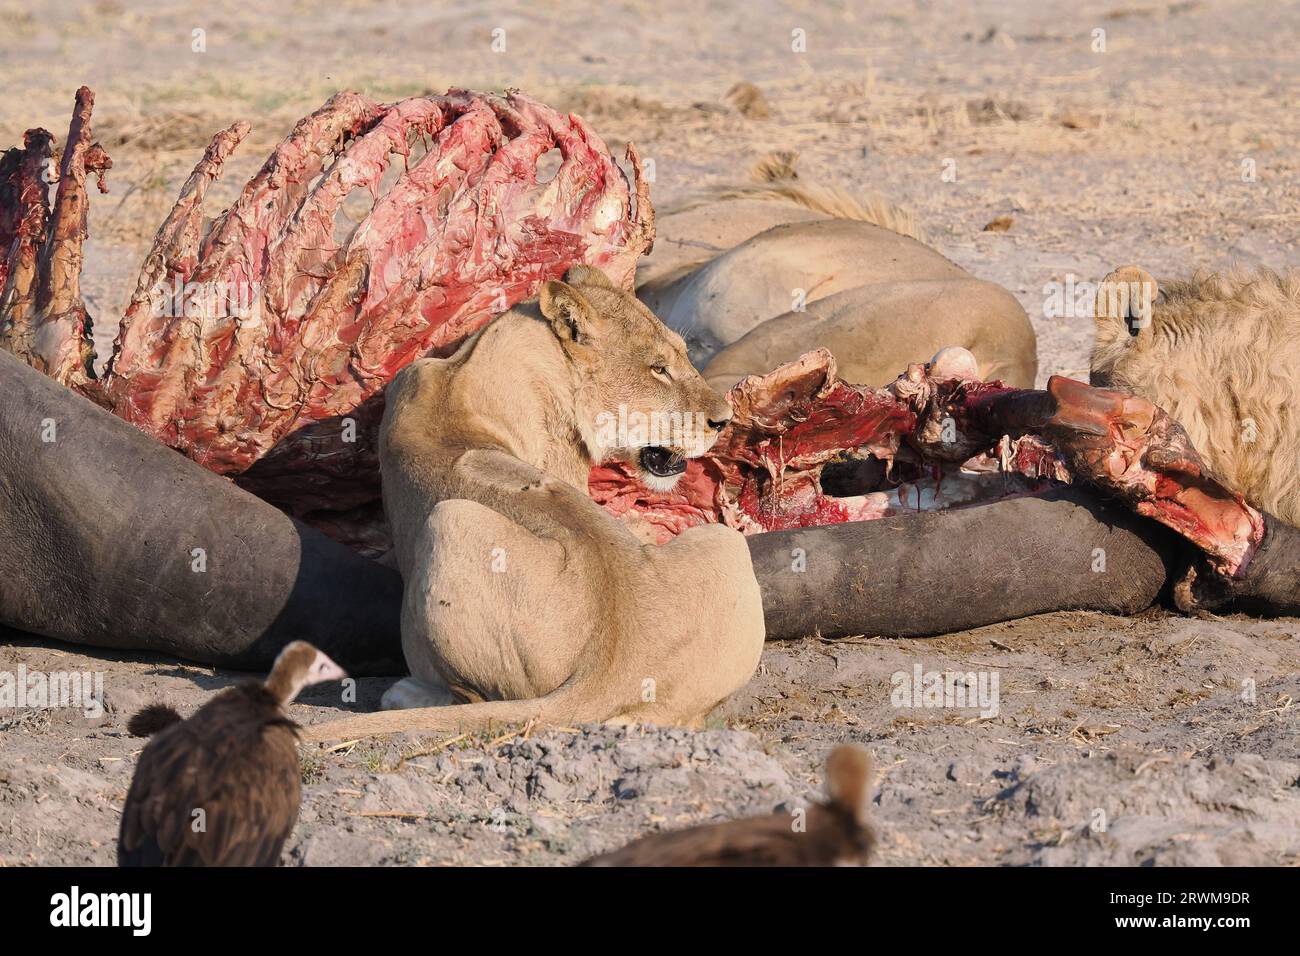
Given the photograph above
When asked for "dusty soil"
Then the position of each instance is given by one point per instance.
(1158, 739)
(1116, 741)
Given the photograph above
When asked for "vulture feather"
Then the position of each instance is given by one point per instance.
(836, 833)
(222, 788)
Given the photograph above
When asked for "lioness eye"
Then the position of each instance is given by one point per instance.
(659, 369)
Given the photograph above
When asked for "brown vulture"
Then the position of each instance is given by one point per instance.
(837, 833)
(222, 788)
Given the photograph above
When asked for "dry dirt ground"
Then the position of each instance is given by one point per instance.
(1158, 739)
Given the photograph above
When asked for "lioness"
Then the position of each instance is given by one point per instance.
(755, 276)
(521, 594)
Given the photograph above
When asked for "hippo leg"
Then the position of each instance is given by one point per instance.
(939, 571)
(1134, 451)
(1131, 448)
(1269, 584)
(108, 538)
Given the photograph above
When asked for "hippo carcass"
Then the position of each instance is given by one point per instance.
(111, 539)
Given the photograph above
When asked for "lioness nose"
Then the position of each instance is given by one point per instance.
(719, 424)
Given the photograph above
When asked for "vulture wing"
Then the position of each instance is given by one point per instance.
(220, 789)
(756, 841)
(827, 837)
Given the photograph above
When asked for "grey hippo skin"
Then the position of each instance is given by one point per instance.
(98, 531)
(940, 571)
(1272, 581)
(1271, 584)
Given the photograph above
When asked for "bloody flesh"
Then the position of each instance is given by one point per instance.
(767, 470)
(262, 348)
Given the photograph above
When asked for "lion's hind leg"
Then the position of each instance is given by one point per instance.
(491, 609)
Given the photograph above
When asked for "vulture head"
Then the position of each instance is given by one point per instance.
(848, 783)
(300, 665)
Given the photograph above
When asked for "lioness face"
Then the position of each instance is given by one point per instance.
(640, 399)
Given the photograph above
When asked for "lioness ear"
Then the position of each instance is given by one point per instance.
(570, 313)
(588, 275)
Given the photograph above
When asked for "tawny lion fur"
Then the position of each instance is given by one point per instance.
(522, 595)
(755, 275)
(1219, 353)
(774, 179)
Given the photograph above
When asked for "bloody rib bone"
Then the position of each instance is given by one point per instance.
(268, 342)
(24, 210)
(42, 317)
(765, 473)
(1119, 443)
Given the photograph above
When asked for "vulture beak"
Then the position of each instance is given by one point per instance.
(323, 669)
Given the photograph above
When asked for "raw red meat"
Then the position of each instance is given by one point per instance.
(261, 349)
(940, 442)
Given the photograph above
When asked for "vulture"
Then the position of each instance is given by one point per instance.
(222, 788)
(836, 833)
